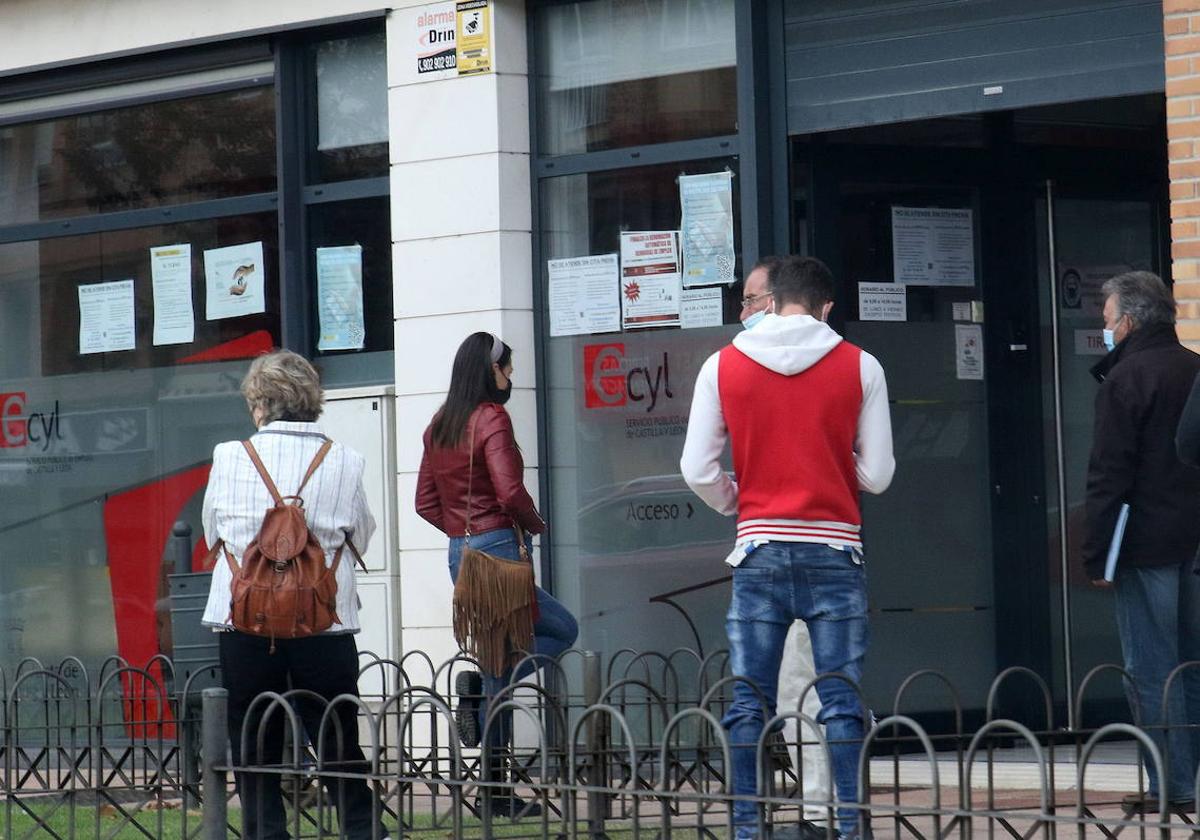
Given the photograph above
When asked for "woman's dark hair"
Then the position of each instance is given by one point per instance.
(471, 383)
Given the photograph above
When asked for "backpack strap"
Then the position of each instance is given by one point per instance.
(316, 462)
(262, 471)
(357, 556)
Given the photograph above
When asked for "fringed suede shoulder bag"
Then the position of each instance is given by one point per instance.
(495, 600)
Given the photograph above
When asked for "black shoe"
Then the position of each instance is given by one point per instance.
(468, 686)
(804, 830)
(508, 805)
(1147, 803)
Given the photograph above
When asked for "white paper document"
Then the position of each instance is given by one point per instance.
(649, 279)
(706, 228)
(701, 308)
(106, 322)
(882, 302)
(340, 298)
(171, 277)
(968, 343)
(235, 281)
(933, 246)
(584, 295)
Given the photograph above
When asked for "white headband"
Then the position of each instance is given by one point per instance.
(497, 348)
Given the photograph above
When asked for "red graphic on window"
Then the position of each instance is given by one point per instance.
(633, 291)
(14, 431)
(603, 375)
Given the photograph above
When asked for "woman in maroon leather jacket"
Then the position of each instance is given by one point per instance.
(473, 418)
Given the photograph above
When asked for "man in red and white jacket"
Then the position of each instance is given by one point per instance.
(806, 416)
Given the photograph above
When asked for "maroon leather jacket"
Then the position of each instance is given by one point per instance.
(498, 494)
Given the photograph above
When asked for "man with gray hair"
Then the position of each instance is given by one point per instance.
(1144, 384)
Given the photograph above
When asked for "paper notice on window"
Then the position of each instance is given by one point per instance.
(340, 298)
(106, 317)
(933, 246)
(235, 281)
(649, 279)
(701, 308)
(882, 302)
(706, 228)
(171, 278)
(968, 344)
(584, 295)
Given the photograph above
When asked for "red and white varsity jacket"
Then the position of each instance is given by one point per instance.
(806, 415)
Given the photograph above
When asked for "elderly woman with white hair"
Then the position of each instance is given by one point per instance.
(284, 397)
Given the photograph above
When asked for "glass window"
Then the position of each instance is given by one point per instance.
(352, 112)
(615, 73)
(367, 223)
(626, 527)
(171, 152)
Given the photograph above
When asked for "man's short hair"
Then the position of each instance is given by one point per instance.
(1143, 296)
(803, 280)
(767, 263)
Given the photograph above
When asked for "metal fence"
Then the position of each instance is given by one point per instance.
(630, 746)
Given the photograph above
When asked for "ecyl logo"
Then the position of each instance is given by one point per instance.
(18, 430)
(610, 381)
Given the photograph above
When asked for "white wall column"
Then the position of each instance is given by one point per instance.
(461, 231)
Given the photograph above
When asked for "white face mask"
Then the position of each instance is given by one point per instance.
(754, 320)
(1110, 340)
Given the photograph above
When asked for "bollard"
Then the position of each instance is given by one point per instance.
(597, 737)
(214, 735)
(180, 550)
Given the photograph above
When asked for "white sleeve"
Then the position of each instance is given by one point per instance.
(364, 523)
(705, 442)
(208, 516)
(874, 462)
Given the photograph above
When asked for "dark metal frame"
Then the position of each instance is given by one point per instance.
(294, 86)
(761, 135)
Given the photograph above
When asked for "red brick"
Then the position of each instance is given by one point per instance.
(1183, 87)
(1175, 26)
(1183, 129)
(1180, 150)
(1185, 270)
(1187, 290)
(1188, 330)
(1184, 230)
(1171, 7)
(1183, 189)
(1187, 169)
(1188, 45)
(1183, 210)
(1178, 67)
(1180, 107)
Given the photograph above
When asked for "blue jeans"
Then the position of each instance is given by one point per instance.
(553, 632)
(1158, 620)
(776, 584)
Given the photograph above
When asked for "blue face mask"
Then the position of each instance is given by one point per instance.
(754, 320)
(1110, 340)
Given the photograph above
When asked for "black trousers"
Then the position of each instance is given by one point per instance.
(327, 666)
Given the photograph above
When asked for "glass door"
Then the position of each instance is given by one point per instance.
(1082, 240)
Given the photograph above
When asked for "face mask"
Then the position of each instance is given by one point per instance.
(754, 320)
(502, 395)
(1110, 340)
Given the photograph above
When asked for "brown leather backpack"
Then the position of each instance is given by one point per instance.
(283, 589)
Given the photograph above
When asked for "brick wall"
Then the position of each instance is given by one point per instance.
(1181, 25)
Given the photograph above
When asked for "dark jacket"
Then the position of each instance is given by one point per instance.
(497, 488)
(1145, 383)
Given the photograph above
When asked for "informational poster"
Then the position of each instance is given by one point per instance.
(706, 228)
(1090, 343)
(968, 351)
(960, 310)
(584, 295)
(933, 246)
(340, 298)
(701, 308)
(1081, 290)
(649, 279)
(473, 45)
(106, 323)
(235, 281)
(882, 302)
(434, 28)
(171, 278)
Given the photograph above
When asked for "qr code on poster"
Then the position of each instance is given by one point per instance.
(725, 266)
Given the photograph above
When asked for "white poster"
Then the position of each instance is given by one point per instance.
(933, 246)
(340, 298)
(882, 302)
(106, 322)
(701, 308)
(171, 278)
(706, 228)
(234, 281)
(649, 279)
(968, 353)
(584, 295)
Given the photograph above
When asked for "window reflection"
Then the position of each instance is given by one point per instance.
(352, 108)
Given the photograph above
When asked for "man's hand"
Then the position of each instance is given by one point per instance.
(1101, 583)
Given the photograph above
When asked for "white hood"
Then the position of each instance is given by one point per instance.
(787, 344)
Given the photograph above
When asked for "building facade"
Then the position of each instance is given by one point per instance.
(588, 180)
